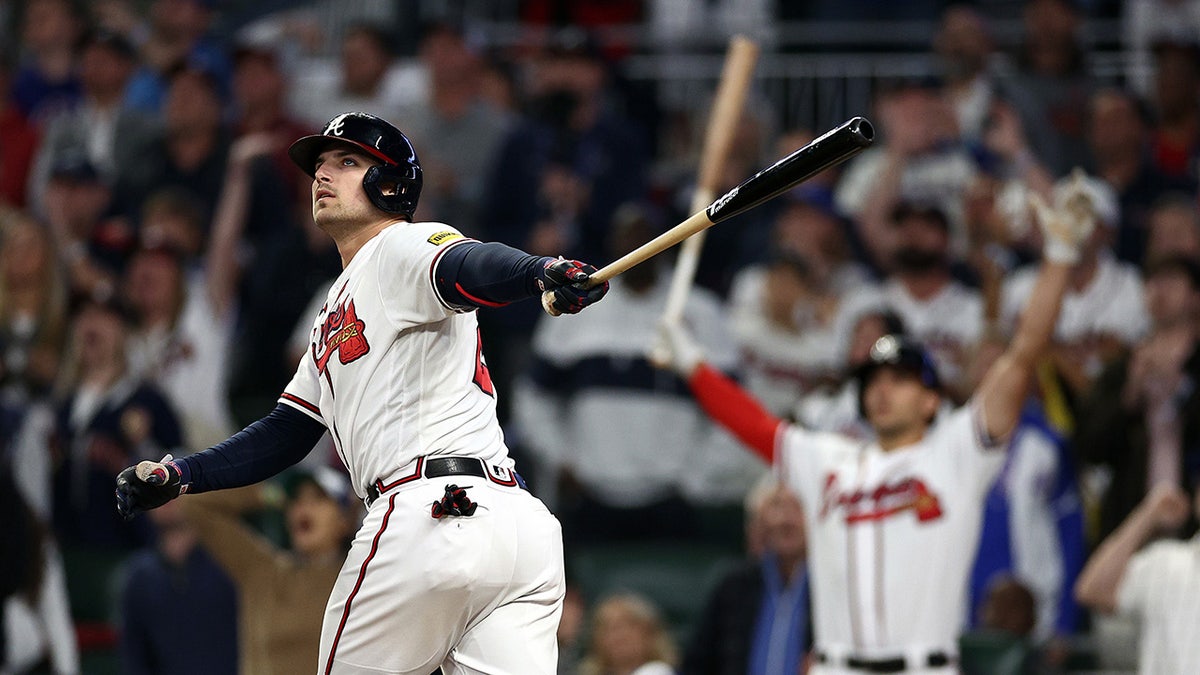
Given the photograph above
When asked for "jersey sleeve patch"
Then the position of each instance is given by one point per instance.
(439, 238)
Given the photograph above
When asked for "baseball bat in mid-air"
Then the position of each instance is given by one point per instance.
(831, 149)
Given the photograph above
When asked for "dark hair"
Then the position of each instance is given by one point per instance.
(382, 39)
(1175, 264)
(1141, 108)
(918, 209)
(112, 41)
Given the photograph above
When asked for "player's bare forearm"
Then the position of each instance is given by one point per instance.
(240, 550)
(1101, 577)
(1004, 388)
(731, 407)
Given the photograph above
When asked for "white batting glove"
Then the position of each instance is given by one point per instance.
(674, 349)
(1067, 227)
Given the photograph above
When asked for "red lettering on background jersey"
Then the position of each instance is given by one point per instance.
(884, 501)
(342, 332)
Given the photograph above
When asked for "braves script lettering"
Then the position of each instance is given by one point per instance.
(884, 501)
(344, 333)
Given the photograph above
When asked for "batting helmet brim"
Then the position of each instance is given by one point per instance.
(305, 151)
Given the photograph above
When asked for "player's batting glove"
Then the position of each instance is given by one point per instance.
(148, 485)
(674, 349)
(563, 284)
(1067, 227)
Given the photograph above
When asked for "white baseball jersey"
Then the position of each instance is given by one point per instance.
(396, 374)
(1159, 589)
(893, 534)
(1112, 304)
(393, 371)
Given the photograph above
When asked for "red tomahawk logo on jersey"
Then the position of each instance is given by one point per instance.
(343, 332)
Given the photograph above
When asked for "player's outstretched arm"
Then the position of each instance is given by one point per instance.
(475, 274)
(720, 397)
(253, 454)
(1163, 510)
(1065, 229)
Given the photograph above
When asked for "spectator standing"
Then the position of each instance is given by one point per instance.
(1052, 73)
(46, 83)
(281, 592)
(1119, 135)
(1175, 145)
(570, 162)
(936, 309)
(177, 572)
(469, 131)
(177, 37)
(1132, 423)
(1157, 585)
(1103, 309)
(186, 316)
(190, 152)
(107, 418)
(628, 638)
(920, 160)
(365, 79)
(99, 129)
(33, 309)
(93, 243)
(756, 620)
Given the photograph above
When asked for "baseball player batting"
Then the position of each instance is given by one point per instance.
(456, 564)
(893, 522)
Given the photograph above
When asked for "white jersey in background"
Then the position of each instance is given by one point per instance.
(393, 372)
(893, 536)
(1111, 304)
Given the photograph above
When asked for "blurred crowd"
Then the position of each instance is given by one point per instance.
(158, 262)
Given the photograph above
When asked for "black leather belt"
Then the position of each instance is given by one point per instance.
(897, 664)
(437, 467)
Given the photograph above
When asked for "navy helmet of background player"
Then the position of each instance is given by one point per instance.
(898, 361)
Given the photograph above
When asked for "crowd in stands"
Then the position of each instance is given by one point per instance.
(158, 259)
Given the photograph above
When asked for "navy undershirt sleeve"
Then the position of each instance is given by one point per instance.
(253, 454)
(476, 274)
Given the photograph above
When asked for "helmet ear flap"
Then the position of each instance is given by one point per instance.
(393, 189)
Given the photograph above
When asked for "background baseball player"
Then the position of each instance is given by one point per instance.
(455, 565)
(893, 522)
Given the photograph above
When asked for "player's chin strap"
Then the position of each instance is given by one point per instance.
(454, 503)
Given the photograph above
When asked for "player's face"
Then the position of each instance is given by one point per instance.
(316, 524)
(337, 191)
(897, 403)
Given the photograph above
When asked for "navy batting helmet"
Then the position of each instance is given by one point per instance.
(378, 139)
(896, 351)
